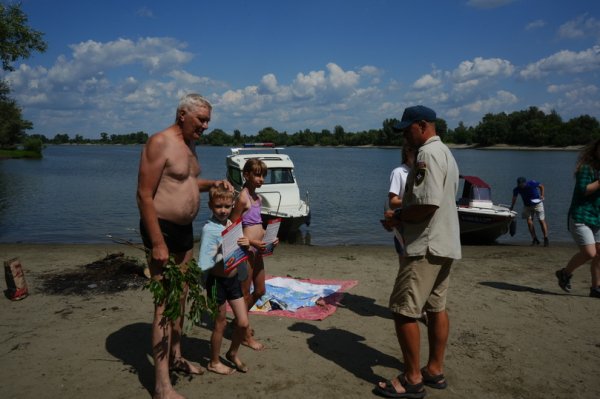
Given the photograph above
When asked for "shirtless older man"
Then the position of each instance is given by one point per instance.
(168, 197)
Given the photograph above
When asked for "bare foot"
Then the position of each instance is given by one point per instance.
(167, 394)
(181, 364)
(253, 344)
(239, 365)
(220, 368)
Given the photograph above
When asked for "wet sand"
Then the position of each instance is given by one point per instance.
(514, 333)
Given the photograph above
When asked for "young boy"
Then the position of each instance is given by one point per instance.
(228, 287)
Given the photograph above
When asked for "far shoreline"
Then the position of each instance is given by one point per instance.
(495, 147)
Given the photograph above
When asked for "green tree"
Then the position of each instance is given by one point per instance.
(237, 137)
(583, 129)
(17, 40)
(493, 129)
(268, 135)
(441, 127)
(462, 135)
(78, 139)
(339, 134)
(218, 138)
(12, 125)
(61, 138)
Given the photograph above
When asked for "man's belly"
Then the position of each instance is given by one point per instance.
(178, 204)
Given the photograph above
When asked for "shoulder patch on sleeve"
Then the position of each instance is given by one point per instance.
(420, 176)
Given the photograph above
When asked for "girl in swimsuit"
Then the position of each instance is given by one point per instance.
(248, 208)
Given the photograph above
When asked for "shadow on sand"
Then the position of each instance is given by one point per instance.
(500, 285)
(364, 306)
(132, 345)
(347, 350)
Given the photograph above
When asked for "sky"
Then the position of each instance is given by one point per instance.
(122, 66)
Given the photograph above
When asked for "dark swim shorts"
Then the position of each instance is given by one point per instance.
(228, 288)
(177, 237)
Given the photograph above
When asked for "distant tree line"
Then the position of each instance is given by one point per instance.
(531, 127)
(105, 138)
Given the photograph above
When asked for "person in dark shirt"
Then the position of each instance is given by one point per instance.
(532, 193)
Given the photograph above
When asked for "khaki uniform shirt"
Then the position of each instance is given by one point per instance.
(433, 181)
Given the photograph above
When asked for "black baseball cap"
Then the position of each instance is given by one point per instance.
(415, 114)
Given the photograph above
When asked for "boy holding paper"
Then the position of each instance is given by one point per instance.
(222, 283)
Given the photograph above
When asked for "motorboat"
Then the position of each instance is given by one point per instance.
(481, 221)
(280, 193)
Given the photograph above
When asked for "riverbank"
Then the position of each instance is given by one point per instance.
(514, 333)
(20, 154)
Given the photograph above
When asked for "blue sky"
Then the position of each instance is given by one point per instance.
(121, 66)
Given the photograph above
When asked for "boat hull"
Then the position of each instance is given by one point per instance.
(483, 226)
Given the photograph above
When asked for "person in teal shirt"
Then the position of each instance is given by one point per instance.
(584, 219)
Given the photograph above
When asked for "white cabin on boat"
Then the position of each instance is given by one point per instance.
(280, 193)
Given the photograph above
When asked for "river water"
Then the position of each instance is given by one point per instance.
(79, 194)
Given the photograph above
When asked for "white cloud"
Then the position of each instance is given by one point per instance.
(538, 23)
(371, 72)
(574, 100)
(190, 80)
(588, 91)
(144, 12)
(323, 97)
(497, 103)
(268, 84)
(582, 26)
(565, 61)
(88, 82)
(341, 79)
(306, 85)
(467, 86)
(427, 81)
(482, 68)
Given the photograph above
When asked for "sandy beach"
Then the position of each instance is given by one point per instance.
(514, 333)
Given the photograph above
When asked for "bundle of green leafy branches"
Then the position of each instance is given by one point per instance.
(170, 290)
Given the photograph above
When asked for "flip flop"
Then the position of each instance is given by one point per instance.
(433, 381)
(413, 391)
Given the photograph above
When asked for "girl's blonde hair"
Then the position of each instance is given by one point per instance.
(256, 167)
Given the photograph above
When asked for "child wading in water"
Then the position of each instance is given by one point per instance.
(248, 208)
(228, 287)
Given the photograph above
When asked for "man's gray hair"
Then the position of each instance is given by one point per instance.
(190, 101)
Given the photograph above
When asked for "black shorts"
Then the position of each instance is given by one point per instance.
(227, 288)
(177, 237)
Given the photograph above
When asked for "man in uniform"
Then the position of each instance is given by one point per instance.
(168, 196)
(432, 239)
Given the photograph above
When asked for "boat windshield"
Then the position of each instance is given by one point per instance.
(481, 193)
(279, 176)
